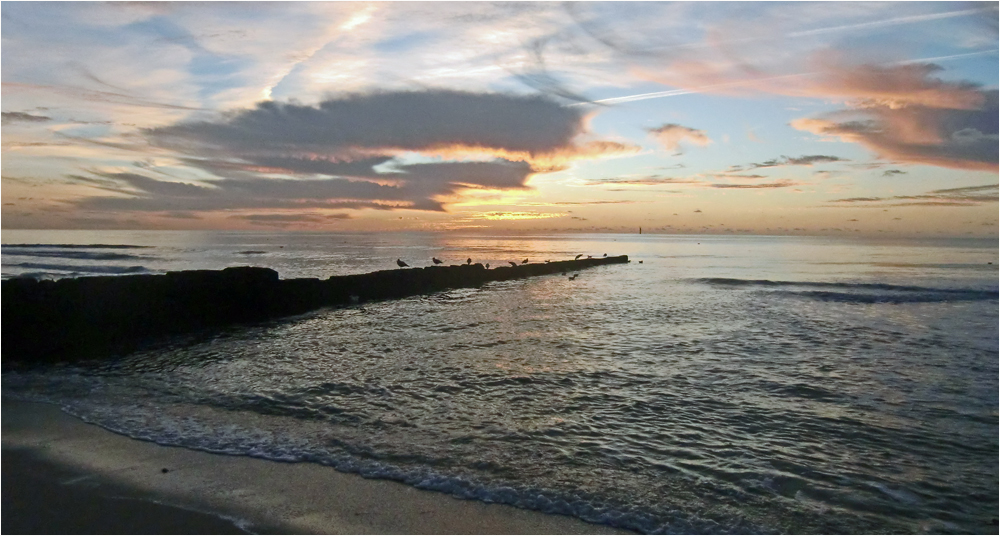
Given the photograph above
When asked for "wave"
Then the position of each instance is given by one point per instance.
(77, 246)
(84, 255)
(861, 291)
(238, 441)
(76, 268)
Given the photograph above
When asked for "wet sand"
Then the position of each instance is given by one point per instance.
(63, 476)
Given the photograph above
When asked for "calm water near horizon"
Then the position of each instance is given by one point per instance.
(738, 384)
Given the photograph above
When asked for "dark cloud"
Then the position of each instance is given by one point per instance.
(381, 121)
(893, 172)
(290, 218)
(148, 194)
(342, 152)
(857, 200)
(21, 117)
(807, 160)
(964, 196)
(954, 137)
(414, 186)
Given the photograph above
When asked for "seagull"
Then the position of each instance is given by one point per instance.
(512, 263)
(640, 262)
(401, 264)
(436, 260)
(468, 261)
(525, 261)
(605, 254)
(578, 257)
(488, 265)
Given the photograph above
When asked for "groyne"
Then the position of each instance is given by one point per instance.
(93, 317)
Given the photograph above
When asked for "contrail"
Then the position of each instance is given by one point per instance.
(704, 89)
(676, 92)
(888, 22)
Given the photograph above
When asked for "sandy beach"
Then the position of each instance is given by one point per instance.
(61, 475)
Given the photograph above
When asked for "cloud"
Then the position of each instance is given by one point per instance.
(290, 218)
(422, 183)
(21, 117)
(893, 172)
(357, 151)
(650, 180)
(671, 134)
(949, 137)
(963, 196)
(776, 184)
(384, 121)
(893, 86)
(806, 160)
(620, 202)
(738, 176)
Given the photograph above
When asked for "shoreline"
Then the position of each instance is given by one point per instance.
(66, 476)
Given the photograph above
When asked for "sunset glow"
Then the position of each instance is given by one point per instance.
(702, 117)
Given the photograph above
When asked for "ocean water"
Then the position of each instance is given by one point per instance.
(727, 384)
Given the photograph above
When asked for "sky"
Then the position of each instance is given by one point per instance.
(817, 118)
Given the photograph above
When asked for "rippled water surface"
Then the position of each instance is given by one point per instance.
(726, 384)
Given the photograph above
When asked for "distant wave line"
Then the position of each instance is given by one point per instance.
(76, 246)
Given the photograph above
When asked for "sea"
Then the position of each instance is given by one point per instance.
(714, 384)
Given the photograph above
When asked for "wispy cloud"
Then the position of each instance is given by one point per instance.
(768, 185)
(958, 197)
(9, 118)
(783, 161)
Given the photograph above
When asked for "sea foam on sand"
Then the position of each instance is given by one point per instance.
(254, 495)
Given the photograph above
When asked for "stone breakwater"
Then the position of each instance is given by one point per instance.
(94, 317)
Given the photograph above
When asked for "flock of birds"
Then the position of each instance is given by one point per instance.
(436, 261)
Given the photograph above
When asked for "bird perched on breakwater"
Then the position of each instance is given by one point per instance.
(525, 261)
(401, 264)
(488, 265)
(605, 254)
(436, 260)
(512, 263)
(468, 261)
(574, 276)
(589, 257)
(578, 257)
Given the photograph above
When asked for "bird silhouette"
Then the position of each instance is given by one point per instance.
(401, 264)
(468, 261)
(589, 257)
(436, 260)
(578, 257)
(512, 263)
(525, 261)
(574, 276)
(605, 254)
(488, 265)
(640, 262)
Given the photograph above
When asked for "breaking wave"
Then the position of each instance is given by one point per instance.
(859, 292)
